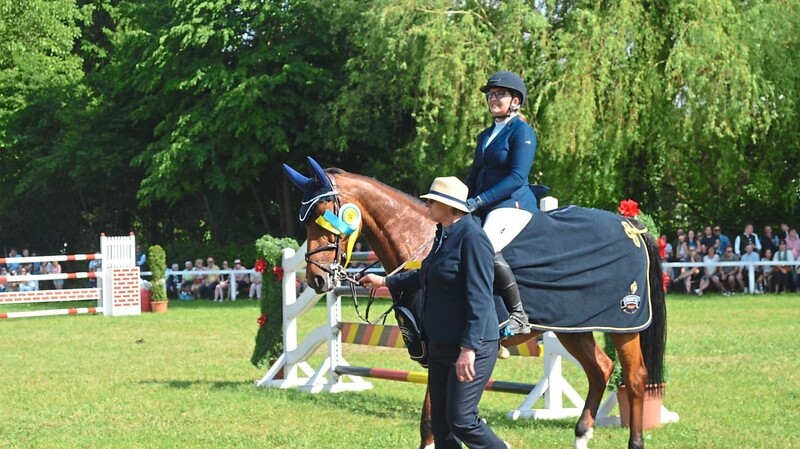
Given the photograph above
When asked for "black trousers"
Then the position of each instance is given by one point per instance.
(454, 404)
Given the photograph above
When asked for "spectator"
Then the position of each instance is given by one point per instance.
(242, 284)
(782, 274)
(187, 278)
(12, 286)
(199, 278)
(727, 274)
(724, 241)
(692, 275)
(55, 268)
(26, 286)
(793, 243)
(769, 241)
(711, 259)
(28, 265)
(747, 236)
(691, 240)
(13, 266)
(94, 265)
(681, 246)
(3, 274)
(255, 285)
(211, 280)
(765, 272)
(174, 281)
(708, 239)
(750, 255)
(141, 258)
(784, 231)
(223, 285)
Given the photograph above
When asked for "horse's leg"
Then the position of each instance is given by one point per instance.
(425, 429)
(598, 368)
(634, 375)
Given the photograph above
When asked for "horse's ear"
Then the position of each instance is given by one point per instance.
(320, 177)
(297, 179)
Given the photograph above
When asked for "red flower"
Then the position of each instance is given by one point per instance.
(261, 265)
(278, 272)
(665, 281)
(628, 208)
(262, 320)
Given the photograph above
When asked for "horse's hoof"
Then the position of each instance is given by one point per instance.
(582, 442)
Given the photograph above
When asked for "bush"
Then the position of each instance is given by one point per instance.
(158, 266)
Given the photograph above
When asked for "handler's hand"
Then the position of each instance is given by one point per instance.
(465, 365)
(372, 281)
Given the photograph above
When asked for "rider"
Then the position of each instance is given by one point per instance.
(498, 183)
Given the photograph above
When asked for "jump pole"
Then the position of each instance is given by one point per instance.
(499, 386)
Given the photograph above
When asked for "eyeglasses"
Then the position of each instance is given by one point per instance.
(728, 251)
(500, 94)
(716, 230)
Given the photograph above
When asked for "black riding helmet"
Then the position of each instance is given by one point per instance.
(508, 80)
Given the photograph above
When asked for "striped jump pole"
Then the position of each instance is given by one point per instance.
(74, 311)
(499, 386)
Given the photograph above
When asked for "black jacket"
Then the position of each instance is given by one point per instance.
(456, 278)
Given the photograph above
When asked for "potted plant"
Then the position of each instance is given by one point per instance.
(158, 290)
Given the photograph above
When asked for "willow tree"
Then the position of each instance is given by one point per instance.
(674, 103)
(415, 80)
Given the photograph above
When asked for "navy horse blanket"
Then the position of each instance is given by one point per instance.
(581, 269)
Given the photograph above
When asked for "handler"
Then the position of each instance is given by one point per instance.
(458, 317)
(499, 190)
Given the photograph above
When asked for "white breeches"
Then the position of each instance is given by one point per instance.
(504, 224)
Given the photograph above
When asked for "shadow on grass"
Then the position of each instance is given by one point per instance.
(187, 384)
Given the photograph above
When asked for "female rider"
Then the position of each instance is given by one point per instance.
(498, 183)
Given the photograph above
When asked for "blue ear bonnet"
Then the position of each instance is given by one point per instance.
(316, 188)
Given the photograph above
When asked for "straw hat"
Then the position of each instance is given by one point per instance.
(449, 190)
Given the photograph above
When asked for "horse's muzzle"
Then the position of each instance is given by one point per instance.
(321, 283)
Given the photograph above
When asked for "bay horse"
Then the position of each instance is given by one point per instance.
(398, 227)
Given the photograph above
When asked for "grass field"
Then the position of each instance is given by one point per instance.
(183, 380)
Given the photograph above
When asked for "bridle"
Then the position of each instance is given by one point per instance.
(336, 269)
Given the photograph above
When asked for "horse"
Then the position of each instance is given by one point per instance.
(398, 228)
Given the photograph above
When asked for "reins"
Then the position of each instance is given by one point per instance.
(354, 281)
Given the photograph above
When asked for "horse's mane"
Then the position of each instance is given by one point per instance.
(338, 171)
(395, 224)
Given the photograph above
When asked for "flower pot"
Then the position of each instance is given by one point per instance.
(653, 398)
(159, 306)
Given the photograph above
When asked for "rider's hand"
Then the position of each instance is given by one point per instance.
(372, 281)
(474, 204)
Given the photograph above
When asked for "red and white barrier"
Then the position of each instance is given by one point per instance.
(117, 292)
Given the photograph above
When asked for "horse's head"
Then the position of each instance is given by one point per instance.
(329, 227)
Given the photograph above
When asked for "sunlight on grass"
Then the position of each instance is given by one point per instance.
(183, 380)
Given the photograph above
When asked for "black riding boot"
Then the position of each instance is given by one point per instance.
(506, 285)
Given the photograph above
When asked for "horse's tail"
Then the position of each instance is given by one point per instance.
(654, 338)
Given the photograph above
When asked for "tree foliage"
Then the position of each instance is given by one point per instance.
(171, 118)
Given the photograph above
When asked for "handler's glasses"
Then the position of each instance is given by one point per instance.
(500, 94)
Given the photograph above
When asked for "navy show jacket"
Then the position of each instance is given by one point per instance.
(499, 173)
(456, 278)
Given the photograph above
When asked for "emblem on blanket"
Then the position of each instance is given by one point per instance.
(630, 303)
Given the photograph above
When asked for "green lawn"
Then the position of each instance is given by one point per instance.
(183, 380)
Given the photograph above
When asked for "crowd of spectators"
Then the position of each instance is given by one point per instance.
(11, 268)
(203, 281)
(712, 246)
